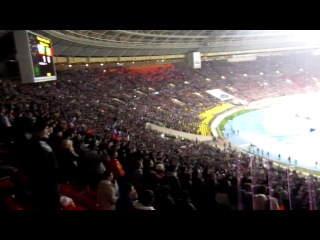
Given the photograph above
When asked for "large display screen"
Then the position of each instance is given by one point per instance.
(42, 57)
(35, 57)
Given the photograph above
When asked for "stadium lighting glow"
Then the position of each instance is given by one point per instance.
(304, 34)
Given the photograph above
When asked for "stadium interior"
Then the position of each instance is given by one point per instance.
(124, 120)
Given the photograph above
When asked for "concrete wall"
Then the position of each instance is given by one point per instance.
(169, 131)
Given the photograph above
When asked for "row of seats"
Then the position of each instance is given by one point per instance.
(7, 203)
(71, 199)
(86, 199)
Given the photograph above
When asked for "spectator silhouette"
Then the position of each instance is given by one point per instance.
(42, 170)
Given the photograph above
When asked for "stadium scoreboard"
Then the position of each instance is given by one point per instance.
(35, 57)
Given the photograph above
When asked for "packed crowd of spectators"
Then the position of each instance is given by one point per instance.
(87, 129)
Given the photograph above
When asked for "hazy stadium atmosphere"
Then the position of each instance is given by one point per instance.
(159, 120)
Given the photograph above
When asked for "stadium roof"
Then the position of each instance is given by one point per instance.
(135, 43)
